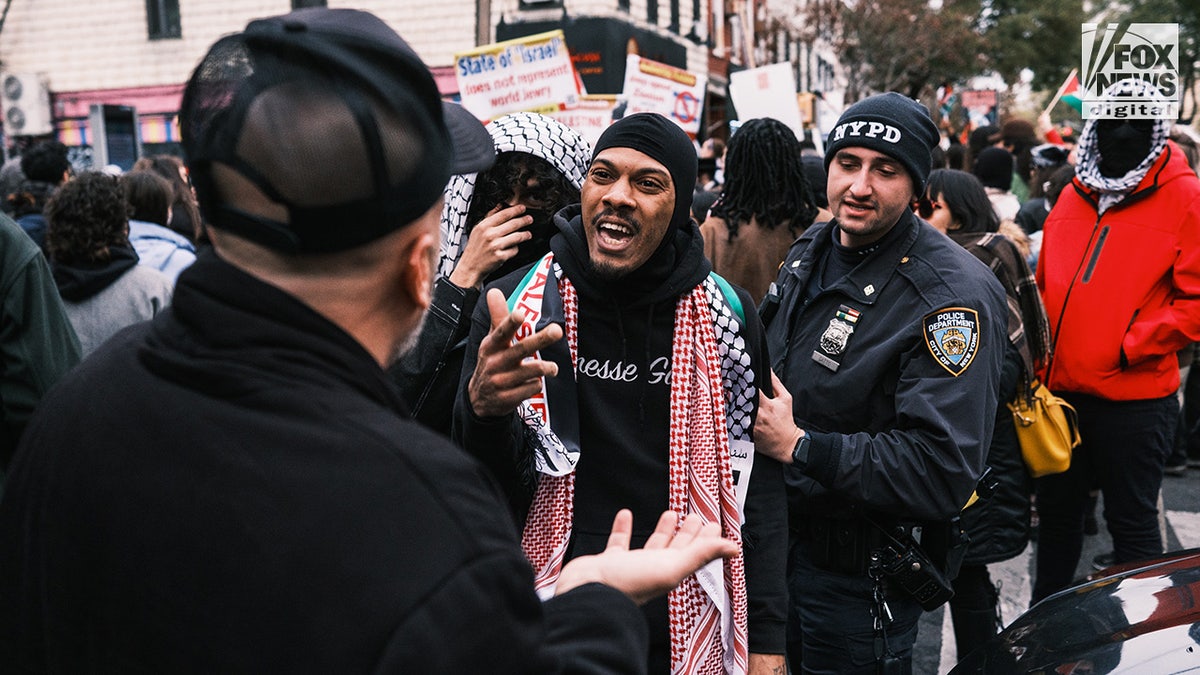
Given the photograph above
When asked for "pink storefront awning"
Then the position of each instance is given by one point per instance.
(447, 83)
(157, 107)
(158, 99)
(165, 98)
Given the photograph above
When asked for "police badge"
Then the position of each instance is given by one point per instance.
(837, 334)
(952, 335)
(833, 341)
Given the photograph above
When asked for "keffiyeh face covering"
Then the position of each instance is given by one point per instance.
(1115, 155)
(530, 133)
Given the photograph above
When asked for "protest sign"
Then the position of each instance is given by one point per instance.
(769, 91)
(590, 116)
(529, 73)
(982, 106)
(651, 86)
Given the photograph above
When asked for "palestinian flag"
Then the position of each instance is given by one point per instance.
(1070, 93)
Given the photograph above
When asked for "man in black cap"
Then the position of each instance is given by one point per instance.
(648, 403)
(887, 339)
(234, 487)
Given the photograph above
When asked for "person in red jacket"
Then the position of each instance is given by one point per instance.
(1120, 277)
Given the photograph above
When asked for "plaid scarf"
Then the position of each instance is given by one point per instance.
(707, 612)
(1114, 189)
(1028, 327)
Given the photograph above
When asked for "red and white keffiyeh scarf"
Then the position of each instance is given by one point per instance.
(707, 612)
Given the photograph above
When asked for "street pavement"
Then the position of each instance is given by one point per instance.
(934, 651)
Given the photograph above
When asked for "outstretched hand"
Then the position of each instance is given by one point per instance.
(668, 557)
(775, 431)
(507, 372)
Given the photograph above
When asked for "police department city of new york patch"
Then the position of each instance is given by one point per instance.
(952, 335)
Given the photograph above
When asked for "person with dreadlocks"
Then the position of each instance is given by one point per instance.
(493, 222)
(647, 403)
(766, 204)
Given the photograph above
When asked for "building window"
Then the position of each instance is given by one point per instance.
(301, 4)
(540, 4)
(623, 5)
(162, 19)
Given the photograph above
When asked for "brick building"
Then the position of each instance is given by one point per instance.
(67, 55)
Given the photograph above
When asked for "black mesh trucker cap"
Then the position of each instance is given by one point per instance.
(329, 114)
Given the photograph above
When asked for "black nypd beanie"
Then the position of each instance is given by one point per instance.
(890, 123)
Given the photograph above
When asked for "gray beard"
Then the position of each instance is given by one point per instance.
(405, 344)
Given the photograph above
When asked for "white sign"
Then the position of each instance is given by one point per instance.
(590, 116)
(656, 87)
(769, 91)
(529, 73)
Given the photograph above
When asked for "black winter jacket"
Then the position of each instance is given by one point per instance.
(428, 374)
(234, 488)
(999, 525)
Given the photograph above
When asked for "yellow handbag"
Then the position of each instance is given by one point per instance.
(1047, 429)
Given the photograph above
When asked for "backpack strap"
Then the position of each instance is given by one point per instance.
(731, 295)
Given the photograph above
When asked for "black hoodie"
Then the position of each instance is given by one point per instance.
(624, 352)
(625, 334)
(79, 282)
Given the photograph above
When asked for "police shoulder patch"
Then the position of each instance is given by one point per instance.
(952, 336)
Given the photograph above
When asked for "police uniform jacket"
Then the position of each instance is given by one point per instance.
(893, 371)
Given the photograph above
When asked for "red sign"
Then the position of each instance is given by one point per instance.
(687, 107)
(980, 99)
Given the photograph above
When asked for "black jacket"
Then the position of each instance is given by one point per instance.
(233, 488)
(999, 525)
(626, 327)
(894, 431)
(428, 374)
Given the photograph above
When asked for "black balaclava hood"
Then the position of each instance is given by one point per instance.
(662, 140)
(1122, 145)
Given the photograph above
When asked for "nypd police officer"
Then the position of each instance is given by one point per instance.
(887, 339)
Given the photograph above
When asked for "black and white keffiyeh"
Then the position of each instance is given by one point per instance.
(535, 134)
(1113, 189)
